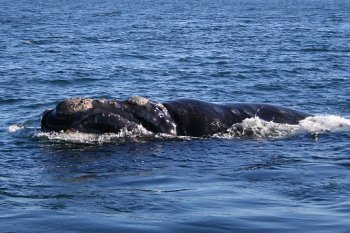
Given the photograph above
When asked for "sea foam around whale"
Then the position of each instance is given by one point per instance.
(257, 128)
(249, 128)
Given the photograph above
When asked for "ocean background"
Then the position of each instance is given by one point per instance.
(277, 178)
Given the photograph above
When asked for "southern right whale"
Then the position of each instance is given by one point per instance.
(183, 117)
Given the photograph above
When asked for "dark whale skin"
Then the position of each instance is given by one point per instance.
(198, 118)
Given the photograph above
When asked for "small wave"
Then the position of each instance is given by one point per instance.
(108, 13)
(257, 128)
(24, 130)
(136, 134)
(326, 123)
(252, 128)
(15, 128)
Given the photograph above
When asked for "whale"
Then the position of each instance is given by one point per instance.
(179, 117)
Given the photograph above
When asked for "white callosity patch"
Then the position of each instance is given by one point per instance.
(71, 106)
(153, 114)
(138, 100)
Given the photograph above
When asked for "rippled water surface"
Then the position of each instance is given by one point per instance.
(277, 178)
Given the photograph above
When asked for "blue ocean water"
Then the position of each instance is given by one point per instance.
(279, 179)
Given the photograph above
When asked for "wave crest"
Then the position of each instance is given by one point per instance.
(252, 128)
(258, 128)
(91, 138)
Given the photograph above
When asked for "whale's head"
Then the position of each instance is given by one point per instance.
(107, 116)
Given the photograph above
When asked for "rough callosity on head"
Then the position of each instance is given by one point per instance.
(161, 106)
(73, 105)
(138, 100)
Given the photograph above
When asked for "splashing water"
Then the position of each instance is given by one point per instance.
(15, 128)
(77, 137)
(257, 128)
(252, 127)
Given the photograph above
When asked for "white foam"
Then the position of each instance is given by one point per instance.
(257, 128)
(15, 128)
(326, 123)
(91, 138)
(252, 127)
